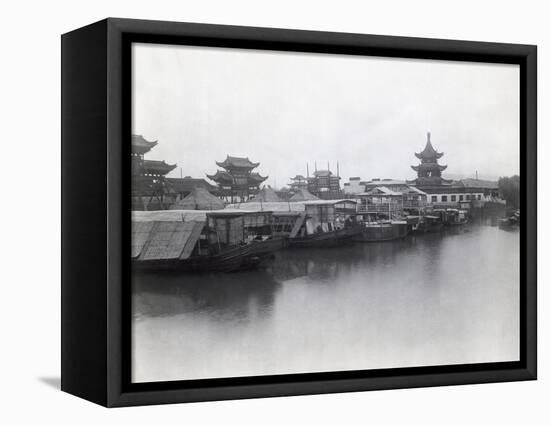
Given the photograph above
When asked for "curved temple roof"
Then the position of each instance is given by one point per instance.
(429, 152)
(256, 177)
(237, 162)
(158, 167)
(428, 167)
(140, 145)
(221, 176)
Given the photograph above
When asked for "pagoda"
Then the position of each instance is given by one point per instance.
(298, 182)
(142, 167)
(324, 184)
(149, 188)
(429, 171)
(237, 182)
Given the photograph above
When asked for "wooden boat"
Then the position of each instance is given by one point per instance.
(510, 223)
(455, 218)
(333, 238)
(245, 256)
(432, 224)
(259, 250)
(424, 224)
(227, 260)
(380, 231)
(221, 241)
(325, 223)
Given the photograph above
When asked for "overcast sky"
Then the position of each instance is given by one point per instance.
(285, 109)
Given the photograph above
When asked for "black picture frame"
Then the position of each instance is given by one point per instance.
(95, 212)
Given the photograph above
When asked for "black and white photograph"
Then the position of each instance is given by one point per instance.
(275, 213)
(309, 212)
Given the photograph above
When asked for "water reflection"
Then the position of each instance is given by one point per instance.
(227, 295)
(433, 299)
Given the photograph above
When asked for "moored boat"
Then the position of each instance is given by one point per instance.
(382, 231)
(325, 223)
(452, 217)
(333, 238)
(457, 217)
(432, 224)
(510, 223)
(424, 224)
(221, 241)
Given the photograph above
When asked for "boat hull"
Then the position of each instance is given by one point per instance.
(246, 256)
(382, 232)
(325, 239)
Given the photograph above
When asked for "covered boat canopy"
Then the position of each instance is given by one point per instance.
(278, 206)
(184, 215)
(165, 240)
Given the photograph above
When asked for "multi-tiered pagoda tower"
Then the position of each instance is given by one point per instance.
(149, 187)
(237, 182)
(324, 184)
(429, 170)
(297, 182)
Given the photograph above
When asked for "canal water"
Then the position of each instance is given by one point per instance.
(427, 300)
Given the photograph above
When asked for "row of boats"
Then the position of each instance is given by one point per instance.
(236, 239)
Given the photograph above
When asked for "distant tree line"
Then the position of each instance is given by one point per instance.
(509, 190)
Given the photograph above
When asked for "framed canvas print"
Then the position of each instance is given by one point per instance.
(252, 212)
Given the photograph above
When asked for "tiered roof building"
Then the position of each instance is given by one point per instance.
(325, 185)
(142, 167)
(149, 187)
(429, 170)
(237, 182)
(297, 182)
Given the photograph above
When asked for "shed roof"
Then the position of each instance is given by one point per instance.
(277, 206)
(266, 194)
(303, 195)
(185, 215)
(382, 190)
(199, 199)
(384, 182)
(479, 183)
(415, 189)
(328, 202)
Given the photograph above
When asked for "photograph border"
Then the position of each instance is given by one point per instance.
(113, 39)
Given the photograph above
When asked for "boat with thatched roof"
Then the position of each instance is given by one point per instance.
(202, 241)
